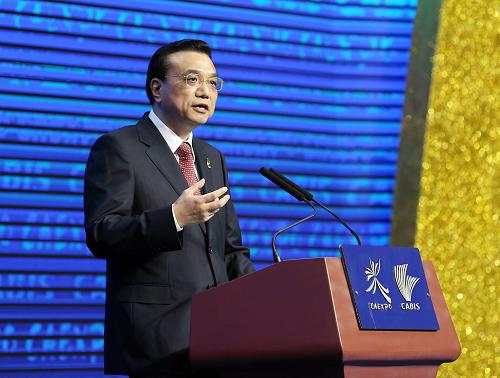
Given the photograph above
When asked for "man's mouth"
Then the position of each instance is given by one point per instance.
(203, 108)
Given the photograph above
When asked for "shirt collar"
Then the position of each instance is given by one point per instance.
(173, 140)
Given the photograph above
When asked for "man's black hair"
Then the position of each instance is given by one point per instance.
(158, 64)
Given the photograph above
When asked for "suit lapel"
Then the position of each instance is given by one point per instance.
(160, 154)
(203, 167)
(203, 161)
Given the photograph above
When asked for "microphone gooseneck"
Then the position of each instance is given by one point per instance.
(295, 192)
(353, 233)
(310, 197)
(276, 256)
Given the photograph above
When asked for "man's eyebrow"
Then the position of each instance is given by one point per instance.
(192, 70)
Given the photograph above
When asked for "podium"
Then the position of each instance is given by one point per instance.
(296, 319)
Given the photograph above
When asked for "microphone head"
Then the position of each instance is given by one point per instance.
(307, 195)
(282, 184)
(264, 172)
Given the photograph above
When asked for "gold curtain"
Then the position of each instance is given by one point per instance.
(458, 211)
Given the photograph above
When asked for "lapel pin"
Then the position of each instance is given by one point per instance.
(209, 163)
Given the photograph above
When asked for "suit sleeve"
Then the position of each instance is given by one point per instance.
(237, 257)
(111, 226)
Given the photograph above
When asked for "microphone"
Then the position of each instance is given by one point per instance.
(295, 192)
(291, 189)
(308, 196)
(304, 192)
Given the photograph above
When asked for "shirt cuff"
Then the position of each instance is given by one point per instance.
(179, 228)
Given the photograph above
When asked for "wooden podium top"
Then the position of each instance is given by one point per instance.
(302, 310)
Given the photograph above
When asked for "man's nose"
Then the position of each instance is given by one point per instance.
(203, 90)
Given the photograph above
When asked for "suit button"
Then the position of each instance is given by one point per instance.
(210, 251)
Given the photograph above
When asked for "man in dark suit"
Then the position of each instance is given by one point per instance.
(157, 209)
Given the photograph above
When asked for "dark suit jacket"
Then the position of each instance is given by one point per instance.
(131, 180)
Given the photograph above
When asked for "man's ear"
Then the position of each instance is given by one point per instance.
(155, 85)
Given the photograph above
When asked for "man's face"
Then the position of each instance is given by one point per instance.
(184, 107)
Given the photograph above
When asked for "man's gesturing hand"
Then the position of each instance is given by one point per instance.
(192, 209)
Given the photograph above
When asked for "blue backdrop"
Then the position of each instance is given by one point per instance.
(314, 89)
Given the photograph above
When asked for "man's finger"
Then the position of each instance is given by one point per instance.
(212, 196)
(216, 205)
(223, 200)
(197, 185)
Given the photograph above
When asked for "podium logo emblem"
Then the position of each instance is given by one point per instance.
(371, 275)
(405, 282)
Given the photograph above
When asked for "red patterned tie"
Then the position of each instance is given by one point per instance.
(186, 163)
